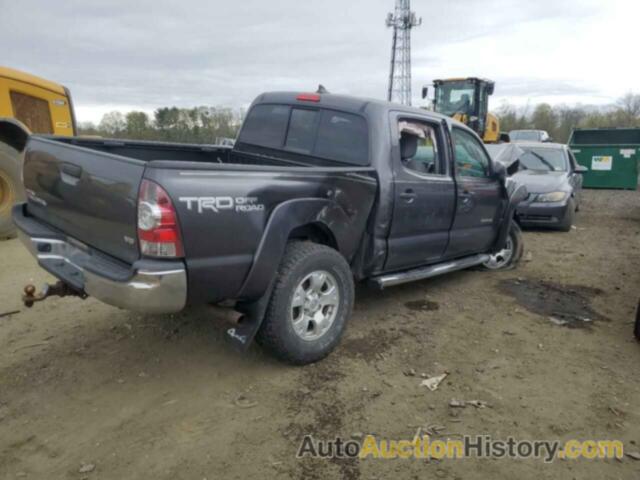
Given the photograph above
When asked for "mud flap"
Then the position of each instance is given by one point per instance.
(241, 336)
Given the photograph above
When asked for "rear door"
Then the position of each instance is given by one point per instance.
(424, 196)
(89, 195)
(479, 197)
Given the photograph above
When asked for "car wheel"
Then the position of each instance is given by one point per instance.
(512, 252)
(310, 304)
(569, 216)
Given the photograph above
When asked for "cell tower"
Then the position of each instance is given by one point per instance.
(402, 21)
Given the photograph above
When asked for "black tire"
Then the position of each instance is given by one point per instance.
(11, 190)
(517, 241)
(276, 333)
(569, 216)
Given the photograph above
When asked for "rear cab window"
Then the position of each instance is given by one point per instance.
(343, 137)
(301, 135)
(322, 133)
(266, 125)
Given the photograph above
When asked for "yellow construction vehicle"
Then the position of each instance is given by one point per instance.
(28, 104)
(467, 100)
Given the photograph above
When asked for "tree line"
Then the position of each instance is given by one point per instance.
(560, 120)
(203, 125)
(211, 124)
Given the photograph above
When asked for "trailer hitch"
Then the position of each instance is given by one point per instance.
(58, 289)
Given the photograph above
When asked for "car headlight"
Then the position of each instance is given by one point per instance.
(551, 197)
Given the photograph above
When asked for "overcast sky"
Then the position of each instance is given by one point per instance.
(139, 54)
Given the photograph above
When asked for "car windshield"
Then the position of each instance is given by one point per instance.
(524, 135)
(455, 97)
(546, 159)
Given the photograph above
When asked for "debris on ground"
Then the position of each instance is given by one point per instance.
(422, 305)
(434, 430)
(464, 403)
(615, 411)
(33, 345)
(433, 382)
(634, 455)
(410, 373)
(87, 468)
(477, 403)
(8, 314)
(243, 402)
(528, 257)
(558, 321)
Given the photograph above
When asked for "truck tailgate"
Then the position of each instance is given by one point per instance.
(89, 195)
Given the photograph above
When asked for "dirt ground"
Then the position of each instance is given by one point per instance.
(548, 346)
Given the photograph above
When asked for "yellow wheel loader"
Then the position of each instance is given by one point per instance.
(28, 104)
(467, 100)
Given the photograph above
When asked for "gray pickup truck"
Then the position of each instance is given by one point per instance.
(318, 192)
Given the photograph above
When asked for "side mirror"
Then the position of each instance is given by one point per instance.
(499, 171)
(513, 168)
(425, 92)
(581, 169)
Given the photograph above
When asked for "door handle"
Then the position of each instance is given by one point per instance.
(466, 200)
(408, 195)
(72, 170)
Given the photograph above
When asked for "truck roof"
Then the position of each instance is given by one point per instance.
(348, 103)
(24, 77)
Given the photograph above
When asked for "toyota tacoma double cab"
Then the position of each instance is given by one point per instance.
(319, 191)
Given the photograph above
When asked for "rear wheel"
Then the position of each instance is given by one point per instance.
(511, 254)
(11, 190)
(310, 304)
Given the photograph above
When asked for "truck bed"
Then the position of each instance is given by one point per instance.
(148, 151)
(88, 189)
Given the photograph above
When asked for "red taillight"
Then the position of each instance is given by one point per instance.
(158, 229)
(308, 97)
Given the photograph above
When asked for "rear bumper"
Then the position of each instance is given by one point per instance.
(147, 286)
(543, 214)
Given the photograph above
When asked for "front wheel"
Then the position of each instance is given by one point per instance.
(511, 254)
(311, 302)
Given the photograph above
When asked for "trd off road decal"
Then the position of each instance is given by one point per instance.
(220, 204)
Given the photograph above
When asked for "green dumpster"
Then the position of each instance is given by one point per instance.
(610, 154)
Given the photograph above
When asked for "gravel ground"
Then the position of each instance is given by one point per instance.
(90, 391)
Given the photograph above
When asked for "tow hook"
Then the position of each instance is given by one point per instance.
(58, 289)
